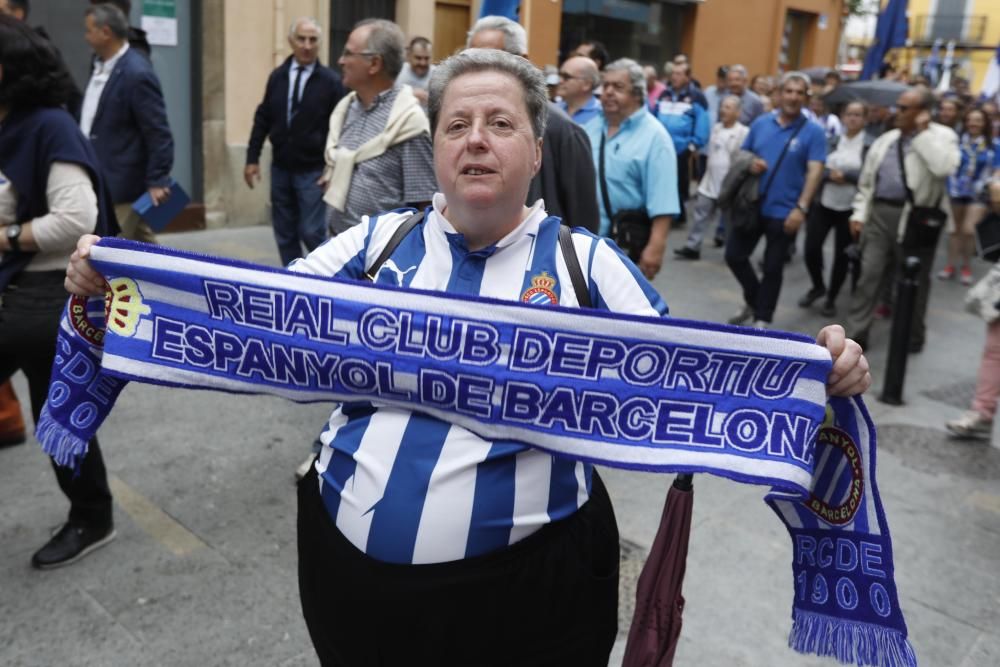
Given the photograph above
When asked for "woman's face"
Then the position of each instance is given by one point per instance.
(975, 123)
(485, 152)
(854, 117)
(947, 113)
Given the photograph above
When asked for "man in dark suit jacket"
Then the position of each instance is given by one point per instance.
(126, 119)
(299, 98)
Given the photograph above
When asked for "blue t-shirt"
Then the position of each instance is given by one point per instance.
(640, 166)
(767, 139)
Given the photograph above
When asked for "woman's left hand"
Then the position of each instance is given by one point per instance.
(850, 373)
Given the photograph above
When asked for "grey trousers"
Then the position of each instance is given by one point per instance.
(881, 253)
(701, 215)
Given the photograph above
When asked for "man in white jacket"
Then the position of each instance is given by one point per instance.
(887, 189)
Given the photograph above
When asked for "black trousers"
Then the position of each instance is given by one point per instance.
(821, 221)
(761, 294)
(29, 323)
(550, 599)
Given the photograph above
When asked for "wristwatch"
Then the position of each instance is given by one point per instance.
(13, 234)
(805, 210)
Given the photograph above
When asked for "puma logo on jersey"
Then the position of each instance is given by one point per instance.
(399, 273)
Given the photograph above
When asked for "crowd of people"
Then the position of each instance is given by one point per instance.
(497, 161)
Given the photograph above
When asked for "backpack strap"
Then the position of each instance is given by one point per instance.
(573, 266)
(390, 247)
(565, 245)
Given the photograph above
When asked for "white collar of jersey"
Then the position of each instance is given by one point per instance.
(529, 225)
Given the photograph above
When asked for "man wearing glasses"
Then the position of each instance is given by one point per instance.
(906, 167)
(298, 100)
(579, 78)
(378, 150)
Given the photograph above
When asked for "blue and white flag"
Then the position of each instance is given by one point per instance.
(630, 392)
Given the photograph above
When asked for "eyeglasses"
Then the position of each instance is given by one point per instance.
(566, 76)
(904, 107)
(347, 53)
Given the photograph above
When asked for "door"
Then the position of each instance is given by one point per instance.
(451, 26)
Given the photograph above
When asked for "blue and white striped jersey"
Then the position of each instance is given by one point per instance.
(405, 487)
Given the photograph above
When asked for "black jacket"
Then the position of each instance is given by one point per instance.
(299, 147)
(566, 179)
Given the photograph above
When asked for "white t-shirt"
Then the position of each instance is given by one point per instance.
(406, 76)
(847, 156)
(724, 143)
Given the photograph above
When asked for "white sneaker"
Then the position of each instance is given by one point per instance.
(761, 324)
(742, 316)
(971, 425)
(304, 467)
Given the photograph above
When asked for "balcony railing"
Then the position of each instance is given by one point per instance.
(965, 29)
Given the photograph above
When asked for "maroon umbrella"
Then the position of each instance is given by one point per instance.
(656, 624)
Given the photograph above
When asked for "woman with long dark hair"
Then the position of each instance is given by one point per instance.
(50, 193)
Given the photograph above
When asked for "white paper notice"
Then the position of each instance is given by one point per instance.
(160, 31)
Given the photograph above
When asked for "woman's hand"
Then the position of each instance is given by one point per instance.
(849, 375)
(81, 278)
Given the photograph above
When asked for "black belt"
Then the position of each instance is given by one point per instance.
(890, 202)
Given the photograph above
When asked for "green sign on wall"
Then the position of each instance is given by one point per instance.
(166, 9)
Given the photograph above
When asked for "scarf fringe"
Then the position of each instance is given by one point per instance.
(863, 644)
(65, 448)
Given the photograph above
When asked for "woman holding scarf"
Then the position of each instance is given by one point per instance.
(50, 194)
(966, 189)
(419, 541)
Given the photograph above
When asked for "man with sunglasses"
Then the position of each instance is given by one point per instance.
(579, 78)
(299, 97)
(906, 167)
(378, 149)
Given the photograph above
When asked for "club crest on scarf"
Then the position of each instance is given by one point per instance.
(124, 307)
(83, 323)
(540, 293)
(837, 496)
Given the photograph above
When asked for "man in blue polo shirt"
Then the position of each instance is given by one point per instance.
(640, 165)
(787, 185)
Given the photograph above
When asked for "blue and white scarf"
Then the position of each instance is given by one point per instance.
(632, 392)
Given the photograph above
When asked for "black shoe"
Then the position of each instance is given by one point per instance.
(811, 297)
(71, 543)
(719, 241)
(828, 309)
(685, 252)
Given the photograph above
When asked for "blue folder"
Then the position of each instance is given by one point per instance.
(158, 217)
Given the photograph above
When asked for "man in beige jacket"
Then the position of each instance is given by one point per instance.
(882, 205)
(378, 150)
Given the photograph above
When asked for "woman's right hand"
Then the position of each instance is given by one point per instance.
(81, 278)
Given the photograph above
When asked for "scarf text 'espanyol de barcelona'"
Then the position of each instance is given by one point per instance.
(629, 392)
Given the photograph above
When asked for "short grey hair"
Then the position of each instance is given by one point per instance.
(515, 39)
(635, 75)
(734, 98)
(469, 61)
(788, 77)
(109, 16)
(386, 40)
(740, 69)
(592, 73)
(304, 19)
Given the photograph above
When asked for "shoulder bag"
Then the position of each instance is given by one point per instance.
(923, 223)
(747, 219)
(630, 228)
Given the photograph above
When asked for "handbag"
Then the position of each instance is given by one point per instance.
(630, 228)
(983, 298)
(747, 218)
(923, 223)
(988, 237)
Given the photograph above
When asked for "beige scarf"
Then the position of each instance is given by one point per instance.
(406, 120)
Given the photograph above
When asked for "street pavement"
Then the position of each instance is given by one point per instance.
(203, 571)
